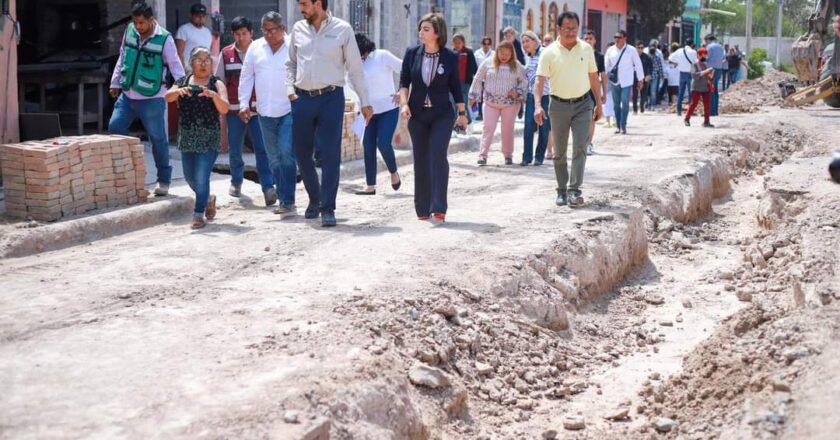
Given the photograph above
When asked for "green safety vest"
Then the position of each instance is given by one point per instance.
(142, 68)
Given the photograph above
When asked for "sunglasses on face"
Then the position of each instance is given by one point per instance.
(618, 37)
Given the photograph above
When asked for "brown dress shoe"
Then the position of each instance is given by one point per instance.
(210, 211)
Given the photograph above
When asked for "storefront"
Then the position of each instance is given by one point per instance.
(605, 17)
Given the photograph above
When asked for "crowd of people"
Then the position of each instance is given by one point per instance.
(286, 89)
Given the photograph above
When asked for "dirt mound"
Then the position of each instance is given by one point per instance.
(747, 95)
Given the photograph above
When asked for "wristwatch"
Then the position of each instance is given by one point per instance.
(462, 113)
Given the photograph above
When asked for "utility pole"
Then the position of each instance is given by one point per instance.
(781, 5)
(749, 26)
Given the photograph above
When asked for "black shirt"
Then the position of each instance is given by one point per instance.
(734, 61)
(599, 61)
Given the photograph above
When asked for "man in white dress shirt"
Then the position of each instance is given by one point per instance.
(621, 62)
(264, 69)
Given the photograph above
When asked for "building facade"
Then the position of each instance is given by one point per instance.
(605, 17)
(540, 16)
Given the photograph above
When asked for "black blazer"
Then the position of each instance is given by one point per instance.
(443, 84)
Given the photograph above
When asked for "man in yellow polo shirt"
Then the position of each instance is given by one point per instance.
(569, 65)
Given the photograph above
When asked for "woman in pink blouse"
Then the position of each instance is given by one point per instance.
(502, 83)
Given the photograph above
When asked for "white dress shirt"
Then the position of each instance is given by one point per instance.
(265, 70)
(380, 68)
(684, 58)
(480, 56)
(630, 63)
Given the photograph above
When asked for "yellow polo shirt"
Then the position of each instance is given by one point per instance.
(568, 70)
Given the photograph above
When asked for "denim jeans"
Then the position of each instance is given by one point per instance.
(152, 114)
(277, 133)
(716, 94)
(685, 87)
(236, 137)
(653, 88)
(734, 75)
(465, 91)
(621, 104)
(531, 127)
(318, 120)
(197, 169)
(380, 133)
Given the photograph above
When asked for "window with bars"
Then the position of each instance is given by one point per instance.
(360, 16)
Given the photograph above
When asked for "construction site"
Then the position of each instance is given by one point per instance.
(695, 295)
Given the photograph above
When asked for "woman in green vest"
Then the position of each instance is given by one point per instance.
(201, 99)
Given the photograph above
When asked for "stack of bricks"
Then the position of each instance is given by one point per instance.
(50, 179)
(351, 145)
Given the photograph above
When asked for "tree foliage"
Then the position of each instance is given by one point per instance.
(794, 18)
(655, 14)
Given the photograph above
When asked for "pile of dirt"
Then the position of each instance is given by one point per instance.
(747, 95)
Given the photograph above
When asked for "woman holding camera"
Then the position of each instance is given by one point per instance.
(201, 99)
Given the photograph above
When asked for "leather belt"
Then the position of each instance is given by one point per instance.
(571, 101)
(314, 93)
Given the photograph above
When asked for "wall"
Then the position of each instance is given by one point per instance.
(767, 43)
(8, 79)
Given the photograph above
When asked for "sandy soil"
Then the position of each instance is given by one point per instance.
(516, 316)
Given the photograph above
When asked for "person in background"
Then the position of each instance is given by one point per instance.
(724, 79)
(510, 36)
(591, 39)
(322, 52)
(139, 87)
(379, 66)
(683, 59)
(486, 52)
(673, 84)
(193, 34)
(657, 74)
(230, 69)
(467, 66)
(701, 88)
(547, 39)
(428, 78)
(715, 60)
(733, 61)
(263, 74)
(624, 60)
(201, 99)
(640, 95)
(666, 72)
(609, 105)
(533, 50)
(570, 68)
(505, 88)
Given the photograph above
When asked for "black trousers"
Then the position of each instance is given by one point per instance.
(430, 133)
(639, 97)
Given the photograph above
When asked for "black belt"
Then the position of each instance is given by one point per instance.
(314, 93)
(571, 101)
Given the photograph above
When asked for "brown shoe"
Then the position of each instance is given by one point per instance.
(210, 211)
(198, 222)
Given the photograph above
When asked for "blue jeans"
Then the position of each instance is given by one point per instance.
(319, 120)
(716, 94)
(531, 127)
(621, 104)
(277, 133)
(379, 133)
(734, 74)
(236, 137)
(152, 114)
(685, 90)
(197, 169)
(653, 89)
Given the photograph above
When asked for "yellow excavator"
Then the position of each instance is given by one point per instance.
(816, 56)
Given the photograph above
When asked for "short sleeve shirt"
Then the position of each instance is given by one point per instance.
(568, 70)
(193, 37)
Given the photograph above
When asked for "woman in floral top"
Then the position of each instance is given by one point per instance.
(201, 99)
(502, 83)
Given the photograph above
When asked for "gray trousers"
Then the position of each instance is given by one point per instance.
(574, 117)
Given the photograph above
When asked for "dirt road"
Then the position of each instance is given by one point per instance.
(515, 318)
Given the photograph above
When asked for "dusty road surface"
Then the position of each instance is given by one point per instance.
(694, 296)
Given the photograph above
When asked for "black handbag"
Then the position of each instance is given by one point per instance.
(613, 75)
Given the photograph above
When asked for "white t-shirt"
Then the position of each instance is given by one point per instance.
(380, 68)
(480, 56)
(192, 38)
(673, 76)
(684, 58)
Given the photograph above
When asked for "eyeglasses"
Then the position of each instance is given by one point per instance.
(203, 61)
(618, 37)
(569, 30)
(270, 31)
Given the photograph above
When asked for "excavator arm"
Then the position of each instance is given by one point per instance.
(815, 64)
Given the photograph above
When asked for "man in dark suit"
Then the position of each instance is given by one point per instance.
(467, 67)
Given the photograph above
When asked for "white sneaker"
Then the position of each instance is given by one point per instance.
(590, 149)
(161, 190)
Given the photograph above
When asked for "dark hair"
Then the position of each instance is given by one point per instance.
(640, 43)
(622, 32)
(365, 45)
(324, 3)
(568, 15)
(239, 23)
(459, 36)
(142, 9)
(711, 37)
(438, 25)
(689, 42)
(486, 38)
(590, 32)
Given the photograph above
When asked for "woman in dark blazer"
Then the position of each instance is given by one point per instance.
(429, 77)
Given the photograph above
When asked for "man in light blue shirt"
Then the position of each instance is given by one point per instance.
(716, 58)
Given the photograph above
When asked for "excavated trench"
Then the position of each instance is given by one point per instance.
(487, 364)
